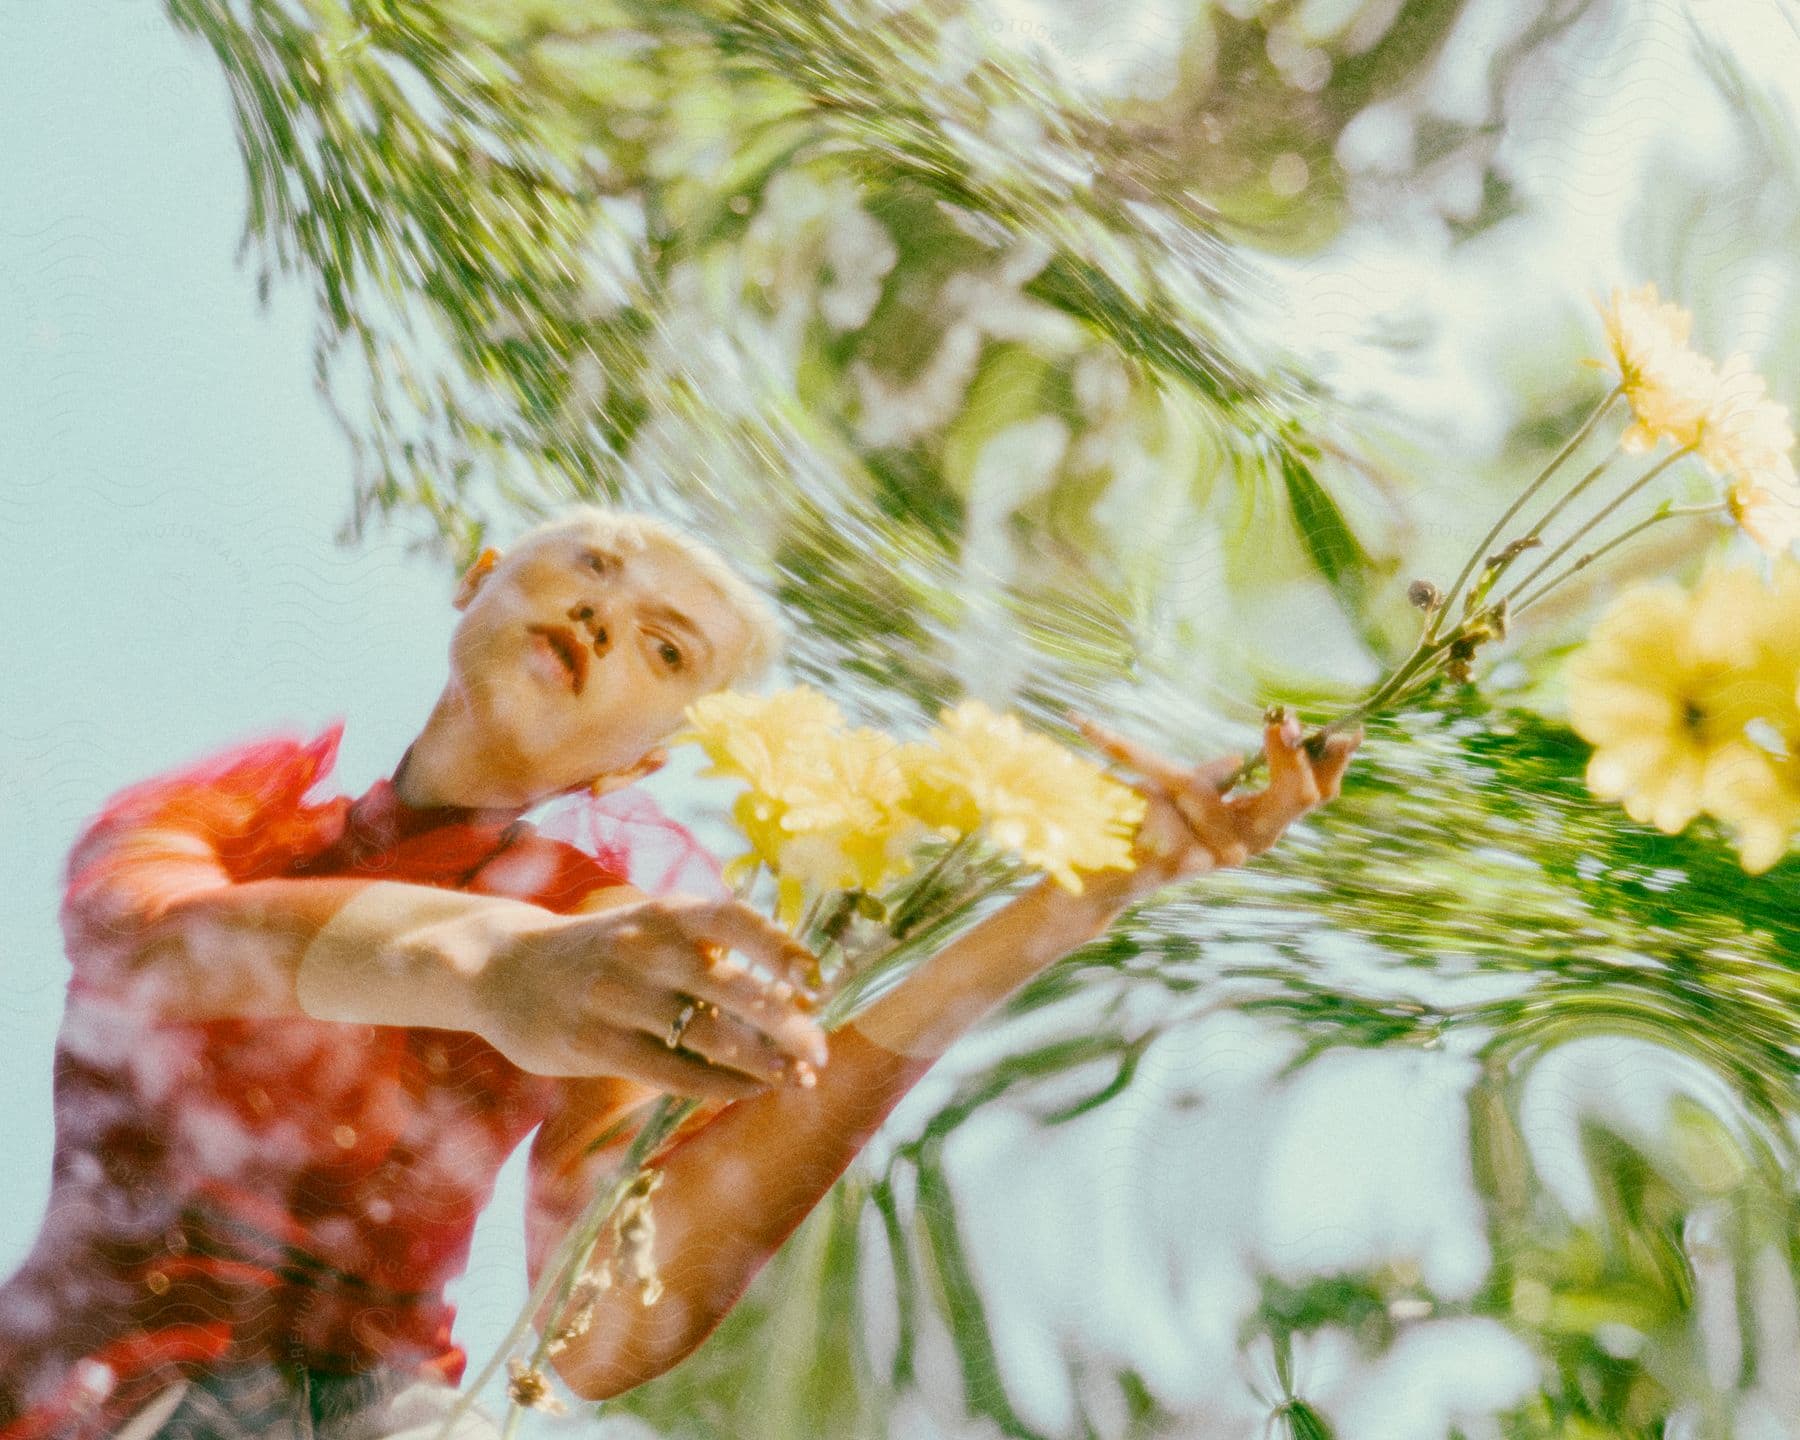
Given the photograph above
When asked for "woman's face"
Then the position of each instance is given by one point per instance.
(574, 656)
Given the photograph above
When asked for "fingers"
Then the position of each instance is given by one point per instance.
(1297, 781)
(1290, 767)
(1217, 773)
(717, 1038)
(643, 1058)
(1193, 793)
(1231, 830)
(732, 925)
(763, 1009)
(1292, 789)
(729, 1043)
(1329, 768)
(1164, 840)
(777, 1007)
(662, 952)
(1211, 821)
(1141, 758)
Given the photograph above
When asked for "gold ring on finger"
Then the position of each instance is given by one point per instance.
(683, 1018)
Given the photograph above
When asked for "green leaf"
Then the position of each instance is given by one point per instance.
(1336, 552)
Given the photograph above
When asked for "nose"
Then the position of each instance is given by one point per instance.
(586, 615)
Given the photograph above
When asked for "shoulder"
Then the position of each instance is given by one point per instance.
(253, 793)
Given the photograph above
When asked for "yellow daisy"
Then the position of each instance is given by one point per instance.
(754, 738)
(1769, 513)
(1667, 384)
(1690, 703)
(843, 826)
(1055, 810)
(822, 806)
(1747, 438)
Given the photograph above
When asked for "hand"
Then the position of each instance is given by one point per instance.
(1190, 828)
(600, 994)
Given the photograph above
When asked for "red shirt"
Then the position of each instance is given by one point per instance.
(288, 1188)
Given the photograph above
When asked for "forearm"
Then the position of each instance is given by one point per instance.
(733, 1190)
(950, 992)
(354, 950)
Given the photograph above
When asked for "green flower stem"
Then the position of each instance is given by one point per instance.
(1543, 477)
(1667, 512)
(809, 917)
(1410, 669)
(1568, 498)
(1606, 510)
(853, 994)
(906, 913)
(746, 884)
(563, 1267)
(1476, 598)
(1426, 659)
(1403, 680)
(826, 930)
(1429, 652)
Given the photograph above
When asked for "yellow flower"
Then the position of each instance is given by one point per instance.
(1756, 796)
(1668, 385)
(749, 737)
(1050, 807)
(1770, 512)
(844, 826)
(823, 807)
(1746, 437)
(1690, 702)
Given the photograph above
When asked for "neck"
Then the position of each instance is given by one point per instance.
(447, 765)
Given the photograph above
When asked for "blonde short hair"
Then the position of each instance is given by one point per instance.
(642, 532)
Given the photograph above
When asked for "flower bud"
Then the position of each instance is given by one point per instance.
(1513, 551)
(1424, 595)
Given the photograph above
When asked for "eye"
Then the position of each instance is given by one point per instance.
(670, 654)
(599, 562)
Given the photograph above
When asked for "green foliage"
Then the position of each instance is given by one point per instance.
(877, 302)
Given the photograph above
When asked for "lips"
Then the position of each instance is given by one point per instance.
(563, 644)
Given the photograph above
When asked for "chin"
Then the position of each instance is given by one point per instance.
(512, 722)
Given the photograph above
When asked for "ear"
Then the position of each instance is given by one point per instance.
(473, 576)
(647, 764)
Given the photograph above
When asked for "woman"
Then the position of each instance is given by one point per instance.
(301, 1036)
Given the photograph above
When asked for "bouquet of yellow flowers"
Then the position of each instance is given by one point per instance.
(875, 844)
(1692, 698)
(877, 849)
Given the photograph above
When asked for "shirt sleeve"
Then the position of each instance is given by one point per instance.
(238, 815)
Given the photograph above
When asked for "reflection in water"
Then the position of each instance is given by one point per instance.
(1473, 1100)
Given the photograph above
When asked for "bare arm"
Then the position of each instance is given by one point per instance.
(152, 905)
(154, 913)
(241, 949)
(734, 1188)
